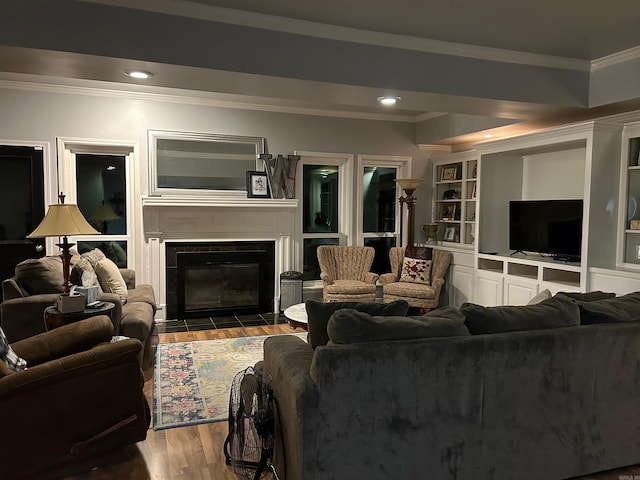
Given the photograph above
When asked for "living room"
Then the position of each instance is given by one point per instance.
(311, 90)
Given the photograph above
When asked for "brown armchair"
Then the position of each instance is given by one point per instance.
(416, 294)
(345, 273)
(79, 396)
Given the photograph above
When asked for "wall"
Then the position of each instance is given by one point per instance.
(33, 112)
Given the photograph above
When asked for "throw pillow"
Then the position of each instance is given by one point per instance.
(611, 310)
(83, 274)
(93, 256)
(351, 326)
(415, 270)
(543, 295)
(111, 279)
(9, 357)
(319, 313)
(555, 312)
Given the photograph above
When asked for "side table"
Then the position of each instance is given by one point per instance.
(53, 318)
(297, 316)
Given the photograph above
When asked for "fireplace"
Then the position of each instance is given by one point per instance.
(220, 279)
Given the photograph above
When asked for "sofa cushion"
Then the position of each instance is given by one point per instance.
(415, 270)
(142, 293)
(42, 275)
(83, 274)
(351, 326)
(588, 296)
(611, 310)
(423, 253)
(555, 312)
(110, 278)
(543, 295)
(318, 314)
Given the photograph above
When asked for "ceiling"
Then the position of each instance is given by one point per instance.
(461, 67)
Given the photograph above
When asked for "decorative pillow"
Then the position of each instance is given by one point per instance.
(83, 274)
(415, 270)
(111, 279)
(93, 256)
(543, 295)
(555, 312)
(319, 313)
(9, 357)
(611, 310)
(351, 326)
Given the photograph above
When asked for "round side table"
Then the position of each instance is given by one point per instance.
(53, 318)
(297, 316)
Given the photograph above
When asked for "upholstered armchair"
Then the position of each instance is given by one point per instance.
(80, 395)
(345, 273)
(417, 294)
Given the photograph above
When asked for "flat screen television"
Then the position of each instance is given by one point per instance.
(552, 227)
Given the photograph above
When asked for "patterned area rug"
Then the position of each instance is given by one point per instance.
(192, 380)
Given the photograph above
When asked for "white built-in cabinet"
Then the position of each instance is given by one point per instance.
(629, 213)
(454, 198)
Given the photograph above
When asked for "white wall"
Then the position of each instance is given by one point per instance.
(553, 176)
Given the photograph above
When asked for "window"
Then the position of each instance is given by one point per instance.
(325, 199)
(379, 212)
(96, 176)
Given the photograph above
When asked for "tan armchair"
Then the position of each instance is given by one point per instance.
(416, 294)
(80, 395)
(345, 273)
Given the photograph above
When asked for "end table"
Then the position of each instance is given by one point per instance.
(53, 318)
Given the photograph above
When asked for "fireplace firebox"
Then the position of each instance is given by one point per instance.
(226, 278)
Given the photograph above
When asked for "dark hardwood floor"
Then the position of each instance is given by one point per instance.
(195, 452)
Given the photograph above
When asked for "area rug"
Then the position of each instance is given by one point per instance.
(192, 380)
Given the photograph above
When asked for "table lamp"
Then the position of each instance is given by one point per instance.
(63, 219)
(409, 186)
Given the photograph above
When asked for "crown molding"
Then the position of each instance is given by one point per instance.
(632, 53)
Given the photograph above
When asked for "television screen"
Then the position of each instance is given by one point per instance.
(546, 226)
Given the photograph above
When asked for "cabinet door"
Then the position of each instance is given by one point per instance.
(519, 291)
(489, 287)
(461, 284)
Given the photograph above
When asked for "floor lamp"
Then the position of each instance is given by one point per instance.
(409, 186)
(63, 219)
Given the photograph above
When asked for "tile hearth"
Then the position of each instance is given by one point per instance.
(212, 323)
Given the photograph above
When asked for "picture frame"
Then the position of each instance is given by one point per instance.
(257, 185)
(473, 190)
(450, 234)
(448, 211)
(448, 173)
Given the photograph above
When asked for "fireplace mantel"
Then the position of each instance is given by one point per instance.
(206, 219)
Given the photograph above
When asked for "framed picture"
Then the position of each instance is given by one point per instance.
(449, 173)
(257, 185)
(473, 190)
(448, 211)
(450, 234)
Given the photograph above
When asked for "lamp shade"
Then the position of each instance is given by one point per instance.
(63, 219)
(409, 183)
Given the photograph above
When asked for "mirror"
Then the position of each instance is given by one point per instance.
(184, 163)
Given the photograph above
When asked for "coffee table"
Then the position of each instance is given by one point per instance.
(297, 316)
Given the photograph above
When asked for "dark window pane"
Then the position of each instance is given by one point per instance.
(116, 251)
(320, 198)
(379, 200)
(311, 269)
(381, 263)
(101, 187)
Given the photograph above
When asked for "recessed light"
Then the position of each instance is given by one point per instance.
(388, 100)
(111, 167)
(488, 135)
(138, 74)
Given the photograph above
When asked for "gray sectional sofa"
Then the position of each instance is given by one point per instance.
(548, 391)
